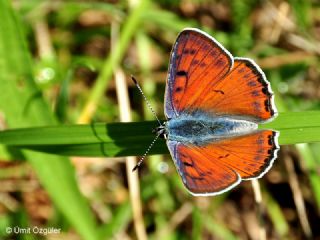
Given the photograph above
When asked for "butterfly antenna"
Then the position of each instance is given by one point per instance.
(145, 98)
(145, 154)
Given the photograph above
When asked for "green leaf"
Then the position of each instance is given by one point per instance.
(114, 139)
(22, 105)
(126, 139)
(296, 127)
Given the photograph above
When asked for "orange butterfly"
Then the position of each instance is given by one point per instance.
(213, 103)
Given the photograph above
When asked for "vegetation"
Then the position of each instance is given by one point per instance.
(65, 89)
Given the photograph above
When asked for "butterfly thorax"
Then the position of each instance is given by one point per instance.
(201, 130)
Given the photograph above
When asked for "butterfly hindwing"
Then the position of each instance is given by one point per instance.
(203, 76)
(200, 175)
(216, 167)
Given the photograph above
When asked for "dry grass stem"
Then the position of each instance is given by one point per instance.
(259, 206)
(297, 196)
(125, 116)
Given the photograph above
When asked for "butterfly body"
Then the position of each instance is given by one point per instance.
(200, 129)
(214, 103)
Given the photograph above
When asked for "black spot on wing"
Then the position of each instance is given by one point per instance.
(194, 62)
(246, 76)
(224, 156)
(252, 83)
(220, 62)
(178, 89)
(265, 90)
(270, 140)
(187, 164)
(260, 150)
(193, 51)
(202, 65)
(267, 105)
(214, 53)
(199, 178)
(260, 141)
(218, 91)
(206, 47)
(256, 106)
(189, 51)
(241, 70)
(257, 158)
(182, 73)
(255, 93)
(186, 51)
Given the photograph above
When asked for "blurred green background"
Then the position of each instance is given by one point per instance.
(68, 62)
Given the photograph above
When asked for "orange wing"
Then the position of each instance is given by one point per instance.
(203, 76)
(219, 166)
(196, 61)
(243, 91)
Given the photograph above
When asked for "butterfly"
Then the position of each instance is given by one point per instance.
(213, 105)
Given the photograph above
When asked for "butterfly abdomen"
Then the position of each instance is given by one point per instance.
(201, 130)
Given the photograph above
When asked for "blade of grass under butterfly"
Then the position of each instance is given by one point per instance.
(115, 139)
(296, 127)
(22, 105)
(127, 139)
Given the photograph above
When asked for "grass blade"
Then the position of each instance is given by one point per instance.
(128, 139)
(27, 108)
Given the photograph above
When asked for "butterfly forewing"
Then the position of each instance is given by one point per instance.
(244, 91)
(195, 59)
(202, 77)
